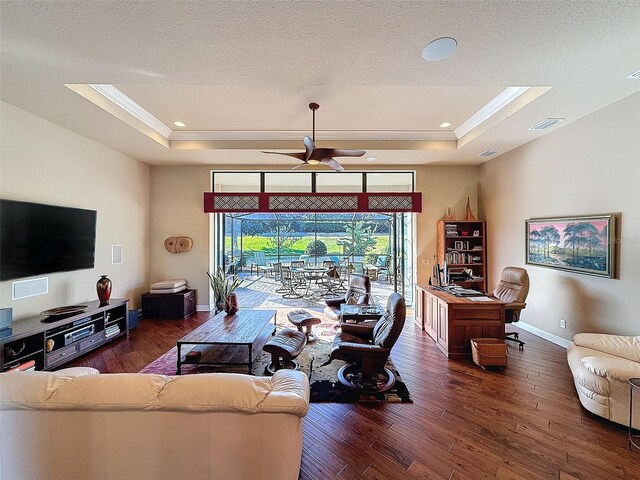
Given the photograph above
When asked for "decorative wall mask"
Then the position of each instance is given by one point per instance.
(178, 244)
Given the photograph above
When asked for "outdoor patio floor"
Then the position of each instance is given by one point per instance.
(260, 292)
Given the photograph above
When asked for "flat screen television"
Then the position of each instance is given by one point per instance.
(37, 239)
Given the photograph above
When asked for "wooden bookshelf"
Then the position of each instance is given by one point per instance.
(463, 245)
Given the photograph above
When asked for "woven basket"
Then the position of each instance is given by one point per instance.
(489, 352)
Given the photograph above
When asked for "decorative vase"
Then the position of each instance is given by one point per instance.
(220, 306)
(231, 305)
(103, 287)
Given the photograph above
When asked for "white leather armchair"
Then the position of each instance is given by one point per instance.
(602, 366)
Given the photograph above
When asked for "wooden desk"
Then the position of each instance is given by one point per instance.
(453, 321)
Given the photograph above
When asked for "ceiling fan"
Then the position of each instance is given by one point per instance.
(314, 156)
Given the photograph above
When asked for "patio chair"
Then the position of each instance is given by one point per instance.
(383, 266)
(298, 275)
(277, 267)
(233, 266)
(260, 263)
(289, 283)
(358, 268)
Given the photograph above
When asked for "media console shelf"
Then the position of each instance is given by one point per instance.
(52, 341)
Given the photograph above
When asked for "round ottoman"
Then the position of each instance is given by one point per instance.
(284, 347)
(302, 318)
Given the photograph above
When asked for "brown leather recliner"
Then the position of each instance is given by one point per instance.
(366, 353)
(359, 289)
(513, 289)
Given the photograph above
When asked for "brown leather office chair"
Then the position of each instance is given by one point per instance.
(359, 290)
(512, 289)
(366, 353)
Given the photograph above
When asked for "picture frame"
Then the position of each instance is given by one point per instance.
(458, 245)
(476, 233)
(581, 244)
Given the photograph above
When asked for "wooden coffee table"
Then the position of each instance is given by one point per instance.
(218, 339)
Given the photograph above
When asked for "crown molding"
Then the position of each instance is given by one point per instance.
(297, 135)
(120, 99)
(500, 101)
(111, 99)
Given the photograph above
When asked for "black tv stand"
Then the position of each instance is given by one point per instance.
(51, 342)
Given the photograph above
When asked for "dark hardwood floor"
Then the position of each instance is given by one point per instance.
(524, 422)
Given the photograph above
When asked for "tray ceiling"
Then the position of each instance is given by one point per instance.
(241, 73)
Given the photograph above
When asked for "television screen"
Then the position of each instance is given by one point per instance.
(37, 239)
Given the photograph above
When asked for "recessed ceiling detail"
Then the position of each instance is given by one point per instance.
(380, 94)
(136, 116)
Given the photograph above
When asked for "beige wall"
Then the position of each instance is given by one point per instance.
(45, 163)
(177, 209)
(588, 167)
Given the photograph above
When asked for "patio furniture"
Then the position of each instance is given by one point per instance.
(233, 266)
(284, 349)
(297, 269)
(371, 271)
(333, 281)
(260, 264)
(357, 268)
(383, 266)
(289, 283)
(304, 319)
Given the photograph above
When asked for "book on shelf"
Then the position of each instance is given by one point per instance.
(24, 367)
(458, 258)
(111, 330)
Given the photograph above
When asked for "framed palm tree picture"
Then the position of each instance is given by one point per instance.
(582, 244)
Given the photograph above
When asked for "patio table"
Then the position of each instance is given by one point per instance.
(313, 274)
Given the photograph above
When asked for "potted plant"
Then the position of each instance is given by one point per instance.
(224, 287)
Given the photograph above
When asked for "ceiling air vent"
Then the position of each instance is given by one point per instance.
(634, 76)
(488, 153)
(546, 123)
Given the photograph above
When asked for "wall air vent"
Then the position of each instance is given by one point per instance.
(546, 123)
(634, 76)
(488, 153)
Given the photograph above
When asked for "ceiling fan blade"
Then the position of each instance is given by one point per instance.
(308, 147)
(335, 152)
(332, 162)
(298, 155)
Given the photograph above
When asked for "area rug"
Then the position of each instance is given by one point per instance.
(323, 378)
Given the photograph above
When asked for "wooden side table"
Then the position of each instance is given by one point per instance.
(634, 433)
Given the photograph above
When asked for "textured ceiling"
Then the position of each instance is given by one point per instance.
(253, 66)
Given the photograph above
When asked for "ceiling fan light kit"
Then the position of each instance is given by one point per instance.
(314, 156)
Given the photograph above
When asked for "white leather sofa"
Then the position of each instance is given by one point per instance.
(602, 366)
(79, 424)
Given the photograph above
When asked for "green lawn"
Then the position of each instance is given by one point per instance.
(262, 244)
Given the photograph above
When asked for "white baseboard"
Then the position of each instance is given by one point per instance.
(204, 308)
(563, 342)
